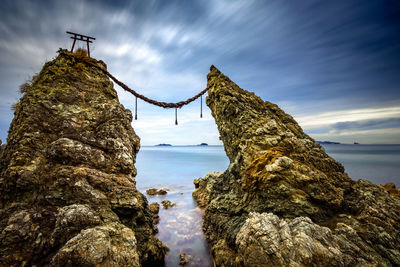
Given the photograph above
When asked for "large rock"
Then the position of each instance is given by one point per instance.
(283, 201)
(67, 187)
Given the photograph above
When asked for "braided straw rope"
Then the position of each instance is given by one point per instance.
(144, 98)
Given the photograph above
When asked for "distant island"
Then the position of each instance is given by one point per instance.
(163, 145)
(328, 143)
(203, 144)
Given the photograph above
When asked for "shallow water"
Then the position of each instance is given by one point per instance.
(379, 164)
(175, 168)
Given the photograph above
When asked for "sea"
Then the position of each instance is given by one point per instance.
(175, 167)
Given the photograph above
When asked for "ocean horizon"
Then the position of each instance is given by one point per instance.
(175, 167)
(350, 144)
(378, 163)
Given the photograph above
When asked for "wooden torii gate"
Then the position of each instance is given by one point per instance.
(80, 37)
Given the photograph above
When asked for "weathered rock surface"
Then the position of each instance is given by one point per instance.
(183, 259)
(168, 204)
(391, 189)
(154, 209)
(67, 187)
(155, 191)
(283, 201)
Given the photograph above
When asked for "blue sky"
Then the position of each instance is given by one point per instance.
(333, 65)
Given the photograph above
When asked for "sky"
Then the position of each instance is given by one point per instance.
(333, 65)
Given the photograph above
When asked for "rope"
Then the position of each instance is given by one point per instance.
(201, 106)
(144, 98)
(135, 107)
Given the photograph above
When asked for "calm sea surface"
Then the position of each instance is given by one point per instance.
(175, 168)
(379, 164)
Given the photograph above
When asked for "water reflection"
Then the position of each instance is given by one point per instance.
(180, 227)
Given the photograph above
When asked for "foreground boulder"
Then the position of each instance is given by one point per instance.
(283, 201)
(67, 187)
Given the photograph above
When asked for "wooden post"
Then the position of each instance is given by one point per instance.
(88, 50)
(73, 44)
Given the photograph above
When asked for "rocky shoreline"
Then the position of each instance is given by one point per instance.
(283, 201)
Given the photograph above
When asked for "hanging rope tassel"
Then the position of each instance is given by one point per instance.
(176, 116)
(136, 108)
(201, 106)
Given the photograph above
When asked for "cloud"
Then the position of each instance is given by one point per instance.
(367, 124)
(371, 125)
(342, 117)
(132, 50)
(375, 136)
(327, 63)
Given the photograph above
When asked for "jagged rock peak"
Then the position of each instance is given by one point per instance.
(283, 201)
(249, 127)
(67, 187)
(268, 145)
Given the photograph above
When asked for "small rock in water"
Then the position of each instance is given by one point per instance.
(167, 204)
(182, 259)
(162, 192)
(155, 191)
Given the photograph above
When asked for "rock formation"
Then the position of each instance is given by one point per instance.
(67, 187)
(183, 259)
(155, 191)
(283, 201)
(155, 209)
(391, 189)
(167, 204)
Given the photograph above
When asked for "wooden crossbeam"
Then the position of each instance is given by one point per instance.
(80, 39)
(81, 35)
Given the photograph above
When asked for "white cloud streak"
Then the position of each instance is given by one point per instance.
(325, 119)
(375, 136)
